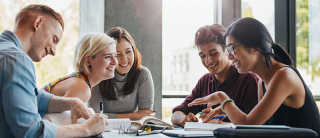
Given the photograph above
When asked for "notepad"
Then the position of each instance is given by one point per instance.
(195, 126)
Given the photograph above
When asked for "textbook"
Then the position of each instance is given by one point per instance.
(151, 121)
(195, 126)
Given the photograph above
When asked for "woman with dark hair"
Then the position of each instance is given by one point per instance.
(130, 93)
(222, 76)
(284, 98)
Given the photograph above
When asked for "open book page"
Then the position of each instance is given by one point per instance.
(205, 126)
(153, 122)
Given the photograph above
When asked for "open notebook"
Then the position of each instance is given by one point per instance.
(151, 121)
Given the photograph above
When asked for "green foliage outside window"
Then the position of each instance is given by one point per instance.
(302, 33)
(302, 27)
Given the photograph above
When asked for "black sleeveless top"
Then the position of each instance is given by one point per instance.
(305, 117)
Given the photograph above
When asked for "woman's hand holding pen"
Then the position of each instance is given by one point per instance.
(213, 113)
(205, 112)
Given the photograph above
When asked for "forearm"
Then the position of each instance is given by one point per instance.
(137, 115)
(77, 130)
(131, 116)
(177, 117)
(60, 104)
(235, 115)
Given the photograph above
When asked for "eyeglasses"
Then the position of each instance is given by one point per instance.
(134, 130)
(231, 49)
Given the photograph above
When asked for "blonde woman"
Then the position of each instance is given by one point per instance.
(94, 61)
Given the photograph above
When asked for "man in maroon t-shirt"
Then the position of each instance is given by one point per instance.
(223, 76)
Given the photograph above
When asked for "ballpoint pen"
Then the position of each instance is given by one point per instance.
(217, 117)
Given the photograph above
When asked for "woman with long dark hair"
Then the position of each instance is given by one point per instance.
(130, 93)
(284, 98)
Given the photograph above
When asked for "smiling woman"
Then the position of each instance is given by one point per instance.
(284, 98)
(94, 61)
(130, 93)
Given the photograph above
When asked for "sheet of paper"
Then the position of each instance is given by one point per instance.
(116, 123)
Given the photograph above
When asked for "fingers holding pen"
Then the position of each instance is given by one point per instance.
(208, 117)
(205, 112)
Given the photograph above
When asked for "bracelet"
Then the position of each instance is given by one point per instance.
(224, 102)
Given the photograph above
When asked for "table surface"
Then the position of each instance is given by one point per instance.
(114, 133)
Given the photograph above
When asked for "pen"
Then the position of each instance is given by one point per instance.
(222, 116)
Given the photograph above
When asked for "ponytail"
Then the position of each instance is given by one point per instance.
(281, 55)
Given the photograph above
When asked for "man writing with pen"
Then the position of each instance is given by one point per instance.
(223, 76)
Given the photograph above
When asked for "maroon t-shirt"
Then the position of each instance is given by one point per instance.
(242, 88)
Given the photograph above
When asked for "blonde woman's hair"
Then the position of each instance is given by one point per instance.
(89, 46)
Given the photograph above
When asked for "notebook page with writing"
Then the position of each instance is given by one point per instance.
(205, 126)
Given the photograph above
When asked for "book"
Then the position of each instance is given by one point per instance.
(195, 126)
(151, 121)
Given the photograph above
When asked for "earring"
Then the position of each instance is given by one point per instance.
(89, 66)
(256, 52)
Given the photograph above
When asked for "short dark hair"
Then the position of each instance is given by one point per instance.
(210, 33)
(25, 13)
(252, 33)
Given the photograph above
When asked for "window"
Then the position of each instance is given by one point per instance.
(50, 67)
(308, 50)
(257, 9)
(182, 67)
